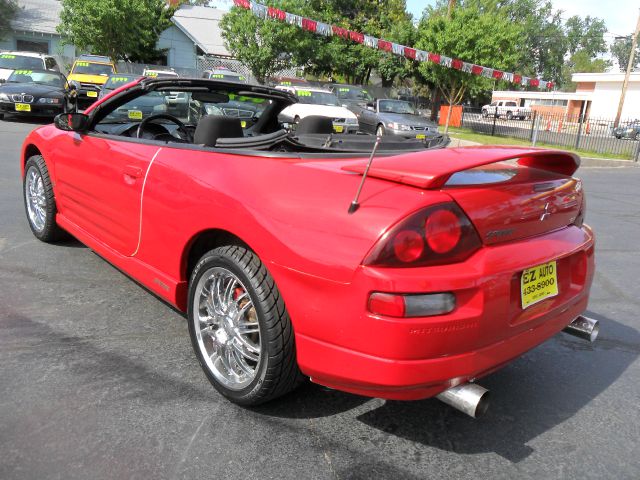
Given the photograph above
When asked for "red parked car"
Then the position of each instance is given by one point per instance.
(452, 262)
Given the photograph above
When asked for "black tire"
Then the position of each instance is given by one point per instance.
(509, 115)
(277, 372)
(485, 114)
(50, 231)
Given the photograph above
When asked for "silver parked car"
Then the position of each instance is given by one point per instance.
(395, 117)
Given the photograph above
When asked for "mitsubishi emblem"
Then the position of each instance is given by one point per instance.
(546, 212)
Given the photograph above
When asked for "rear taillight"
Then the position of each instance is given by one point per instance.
(436, 235)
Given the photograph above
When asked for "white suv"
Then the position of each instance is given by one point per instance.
(10, 61)
(506, 108)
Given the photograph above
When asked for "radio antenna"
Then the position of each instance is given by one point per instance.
(355, 205)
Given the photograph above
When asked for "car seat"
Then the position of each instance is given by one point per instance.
(212, 127)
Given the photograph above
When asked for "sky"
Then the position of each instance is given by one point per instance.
(620, 16)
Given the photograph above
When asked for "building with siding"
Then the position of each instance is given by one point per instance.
(34, 29)
(195, 32)
(597, 96)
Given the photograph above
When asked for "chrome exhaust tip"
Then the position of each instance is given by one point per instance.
(583, 327)
(469, 398)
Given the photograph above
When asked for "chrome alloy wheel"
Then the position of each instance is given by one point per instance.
(226, 328)
(35, 198)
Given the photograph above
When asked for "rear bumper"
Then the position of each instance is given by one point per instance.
(341, 345)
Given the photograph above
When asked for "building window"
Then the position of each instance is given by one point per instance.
(32, 46)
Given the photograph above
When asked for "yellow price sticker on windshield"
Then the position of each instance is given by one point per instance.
(216, 75)
(152, 74)
(119, 79)
(303, 93)
(135, 114)
(23, 72)
(82, 64)
(5, 55)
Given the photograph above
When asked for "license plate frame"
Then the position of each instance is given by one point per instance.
(22, 107)
(538, 283)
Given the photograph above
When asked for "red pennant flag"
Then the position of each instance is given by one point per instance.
(242, 3)
(410, 53)
(476, 70)
(384, 45)
(550, 85)
(457, 64)
(277, 13)
(434, 57)
(497, 74)
(340, 32)
(534, 82)
(517, 78)
(356, 37)
(310, 25)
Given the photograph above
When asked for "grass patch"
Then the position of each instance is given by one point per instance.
(466, 134)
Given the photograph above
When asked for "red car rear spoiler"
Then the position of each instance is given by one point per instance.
(432, 169)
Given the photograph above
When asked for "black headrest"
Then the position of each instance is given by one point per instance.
(314, 124)
(212, 127)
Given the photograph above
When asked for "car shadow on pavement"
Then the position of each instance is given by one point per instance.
(94, 366)
(537, 392)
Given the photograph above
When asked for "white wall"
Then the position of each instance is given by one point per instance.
(181, 50)
(606, 97)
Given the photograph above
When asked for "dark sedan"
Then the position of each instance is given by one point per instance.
(115, 81)
(37, 93)
(395, 117)
(629, 130)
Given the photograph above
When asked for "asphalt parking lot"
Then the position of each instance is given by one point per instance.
(98, 380)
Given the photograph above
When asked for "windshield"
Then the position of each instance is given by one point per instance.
(353, 93)
(317, 98)
(11, 61)
(41, 78)
(88, 68)
(396, 106)
(189, 107)
(117, 82)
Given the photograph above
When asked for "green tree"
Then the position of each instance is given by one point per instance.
(586, 35)
(8, 10)
(264, 46)
(476, 32)
(621, 50)
(118, 28)
(543, 43)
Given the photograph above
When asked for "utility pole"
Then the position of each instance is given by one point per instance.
(625, 84)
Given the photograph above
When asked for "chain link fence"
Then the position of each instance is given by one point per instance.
(592, 135)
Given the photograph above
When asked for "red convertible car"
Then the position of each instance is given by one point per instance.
(448, 265)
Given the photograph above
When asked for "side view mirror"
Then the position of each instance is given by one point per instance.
(371, 106)
(76, 122)
(2, 80)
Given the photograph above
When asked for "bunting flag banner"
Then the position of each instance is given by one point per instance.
(327, 30)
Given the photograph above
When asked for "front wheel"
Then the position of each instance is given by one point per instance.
(39, 202)
(509, 115)
(239, 327)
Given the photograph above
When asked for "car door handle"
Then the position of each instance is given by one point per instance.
(132, 171)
